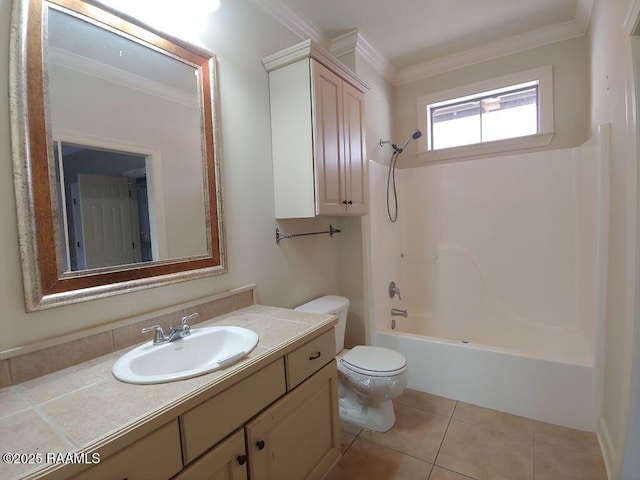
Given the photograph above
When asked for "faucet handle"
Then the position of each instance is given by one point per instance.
(186, 318)
(393, 290)
(159, 336)
(186, 329)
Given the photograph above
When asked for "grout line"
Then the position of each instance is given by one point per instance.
(49, 421)
(445, 434)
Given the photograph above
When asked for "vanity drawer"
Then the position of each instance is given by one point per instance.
(208, 423)
(309, 358)
(155, 456)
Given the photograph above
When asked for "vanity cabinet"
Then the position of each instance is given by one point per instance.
(318, 134)
(297, 437)
(278, 423)
(286, 414)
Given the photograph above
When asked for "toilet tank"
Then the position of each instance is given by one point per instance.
(330, 305)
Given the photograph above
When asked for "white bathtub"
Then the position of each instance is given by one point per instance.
(548, 382)
(507, 253)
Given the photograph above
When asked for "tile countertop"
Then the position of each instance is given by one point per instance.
(84, 408)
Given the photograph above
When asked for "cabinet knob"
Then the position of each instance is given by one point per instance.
(242, 459)
(260, 444)
(350, 202)
(344, 202)
(315, 355)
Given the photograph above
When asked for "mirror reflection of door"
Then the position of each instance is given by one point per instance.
(103, 205)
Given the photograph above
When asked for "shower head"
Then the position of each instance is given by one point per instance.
(414, 136)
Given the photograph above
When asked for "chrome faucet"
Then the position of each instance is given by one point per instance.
(174, 332)
(396, 312)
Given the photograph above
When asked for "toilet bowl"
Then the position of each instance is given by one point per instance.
(370, 377)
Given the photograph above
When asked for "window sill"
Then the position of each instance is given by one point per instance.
(481, 149)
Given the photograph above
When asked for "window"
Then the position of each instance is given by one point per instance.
(502, 114)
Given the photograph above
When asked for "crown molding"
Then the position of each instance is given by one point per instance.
(310, 49)
(297, 23)
(492, 50)
(353, 41)
(583, 13)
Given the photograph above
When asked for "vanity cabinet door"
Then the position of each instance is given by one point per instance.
(205, 425)
(157, 456)
(297, 437)
(227, 461)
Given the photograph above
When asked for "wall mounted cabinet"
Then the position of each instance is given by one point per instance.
(318, 134)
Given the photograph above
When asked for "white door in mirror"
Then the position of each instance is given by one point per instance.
(204, 350)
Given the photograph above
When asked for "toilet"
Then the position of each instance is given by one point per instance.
(370, 377)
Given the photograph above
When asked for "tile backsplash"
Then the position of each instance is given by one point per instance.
(40, 362)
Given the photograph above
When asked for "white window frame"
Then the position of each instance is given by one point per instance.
(544, 78)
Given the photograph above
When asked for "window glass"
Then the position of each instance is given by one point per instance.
(509, 113)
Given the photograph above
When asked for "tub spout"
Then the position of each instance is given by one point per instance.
(396, 312)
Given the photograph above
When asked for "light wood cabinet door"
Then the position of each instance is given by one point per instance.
(355, 157)
(211, 421)
(227, 461)
(328, 134)
(156, 456)
(297, 437)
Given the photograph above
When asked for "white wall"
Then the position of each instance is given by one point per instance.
(612, 102)
(295, 271)
(570, 60)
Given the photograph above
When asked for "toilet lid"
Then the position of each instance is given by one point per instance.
(375, 361)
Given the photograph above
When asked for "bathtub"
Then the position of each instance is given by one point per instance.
(552, 382)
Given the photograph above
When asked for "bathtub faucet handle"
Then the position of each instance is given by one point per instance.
(393, 290)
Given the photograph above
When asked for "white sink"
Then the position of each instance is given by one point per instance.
(204, 350)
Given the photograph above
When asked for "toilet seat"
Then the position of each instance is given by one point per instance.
(374, 361)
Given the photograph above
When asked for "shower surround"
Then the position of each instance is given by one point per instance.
(501, 264)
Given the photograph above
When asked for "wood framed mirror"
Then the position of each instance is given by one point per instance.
(116, 154)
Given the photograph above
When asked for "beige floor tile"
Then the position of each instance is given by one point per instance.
(553, 463)
(577, 440)
(346, 439)
(504, 422)
(368, 461)
(486, 454)
(417, 433)
(426, 401)
(349, 428)
(440, 473)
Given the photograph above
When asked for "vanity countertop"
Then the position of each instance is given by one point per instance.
(85, 409)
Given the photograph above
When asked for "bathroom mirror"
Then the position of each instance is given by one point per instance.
(115, 152)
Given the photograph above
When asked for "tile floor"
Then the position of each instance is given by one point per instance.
(436, 438)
